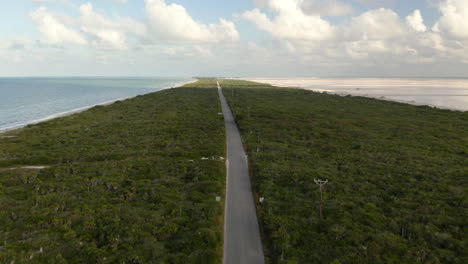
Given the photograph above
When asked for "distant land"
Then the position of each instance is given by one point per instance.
(447, 93)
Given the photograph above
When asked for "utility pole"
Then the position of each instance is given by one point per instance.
(250, 121)
(258, 141)
(321, 183)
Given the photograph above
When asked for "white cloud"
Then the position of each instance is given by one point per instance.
(416, 22)
(172, 23)
(378, 24)
(377, 38)
(302, 40)
(379, 3)
(362, 49)
(326, 7)
(54, 31)
(17, 43)
(65, 2)
(17, 59)
(165, 23)
(454, 20)
(107, 33)
(291, 21)
(91, 28)
(119, 1)
(186, 51)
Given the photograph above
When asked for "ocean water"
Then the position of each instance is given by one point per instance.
(446, 93)
(30, 100)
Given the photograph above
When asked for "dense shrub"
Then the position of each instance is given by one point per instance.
(126, 183)
(397, 176)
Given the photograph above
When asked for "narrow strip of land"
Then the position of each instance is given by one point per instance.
(242, 243)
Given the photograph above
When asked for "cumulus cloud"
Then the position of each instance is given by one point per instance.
(454, 20)
(192, 51)
(166, 23)
(291, 22)
(301, 35)
(326, 7)
(172, 23)
(375, 37)
(65, 2)
(53, 30)
(119, 1)
(416, 22)
(17, 43)
(91, 28)
(376, 2)
(105, 32)
(378, 24)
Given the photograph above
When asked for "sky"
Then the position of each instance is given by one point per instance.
(234, 38)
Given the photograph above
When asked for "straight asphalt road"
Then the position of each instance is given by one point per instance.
(242, 243)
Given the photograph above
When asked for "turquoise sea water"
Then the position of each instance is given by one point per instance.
(30, 100)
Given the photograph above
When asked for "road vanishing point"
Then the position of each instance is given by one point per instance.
(242, 242)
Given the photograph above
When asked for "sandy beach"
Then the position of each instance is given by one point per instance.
(450, 93)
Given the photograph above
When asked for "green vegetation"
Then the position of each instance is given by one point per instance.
(133, 182)
(398, 176)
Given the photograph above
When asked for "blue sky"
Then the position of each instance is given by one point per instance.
(234, 38)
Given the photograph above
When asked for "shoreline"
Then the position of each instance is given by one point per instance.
(85, 108)
(377, 97)
(383, 98)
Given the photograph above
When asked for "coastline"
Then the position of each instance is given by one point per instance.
(85, 108)
(383, 98)
(107, 160)
(341, 93)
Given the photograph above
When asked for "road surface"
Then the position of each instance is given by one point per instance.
(242, 243)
